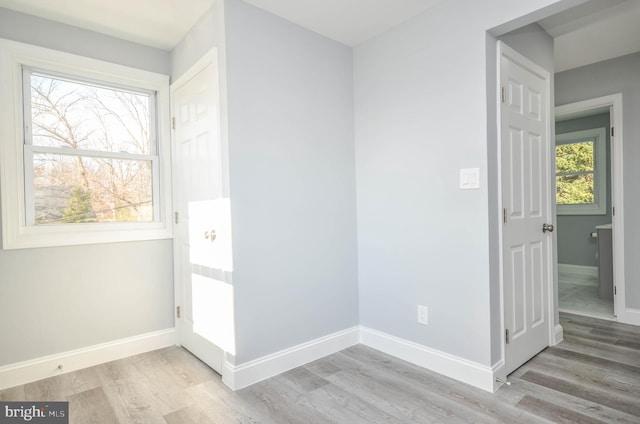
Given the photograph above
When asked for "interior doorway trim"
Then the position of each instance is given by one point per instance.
(614, 104)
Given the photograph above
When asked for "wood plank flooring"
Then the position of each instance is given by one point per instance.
(591, 377)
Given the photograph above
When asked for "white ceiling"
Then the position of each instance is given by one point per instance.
(595, 31)
(156, 23)
(163, 23)
(348, 21)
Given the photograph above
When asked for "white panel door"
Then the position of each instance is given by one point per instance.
(525, 198)
(202, 240)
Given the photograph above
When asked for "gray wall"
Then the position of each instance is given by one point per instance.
(534, 43)
(291, 123)
(58, 299)
(206, 34)
(620, 75)
(292, 182)
(42, 32)
(575, 245)
(421, 240)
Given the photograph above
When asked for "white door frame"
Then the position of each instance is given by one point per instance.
(555, 331)
(211, 57)
(614, 104)
(178, 287)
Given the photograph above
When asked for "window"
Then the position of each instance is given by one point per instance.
(581, 173)
(90, 152)
(85, 155)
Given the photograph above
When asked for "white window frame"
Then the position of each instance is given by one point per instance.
(599, 135)
(17, 231)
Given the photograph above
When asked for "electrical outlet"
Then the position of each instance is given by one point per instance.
(423, 315)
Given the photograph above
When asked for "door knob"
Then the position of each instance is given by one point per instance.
(547, 227)
(210, 235)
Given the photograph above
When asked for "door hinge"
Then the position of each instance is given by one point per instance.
(506, 335)
(504, 215)
(173, 122)
(613, 211)
(177, 312)
(175, 217)
(611, 131)
(503, 94)
(615, 290)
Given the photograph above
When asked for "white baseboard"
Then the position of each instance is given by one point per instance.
(460, 369)
(558, 335)
(243, 375)
(631, 316)
(47, 366)
(586, 271)
(499, 372)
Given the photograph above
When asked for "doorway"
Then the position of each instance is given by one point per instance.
(202, 217)
(590, 241)
(530, 43)
(527, 248)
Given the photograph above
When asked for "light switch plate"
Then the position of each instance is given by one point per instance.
(423, 315)
(470, 178)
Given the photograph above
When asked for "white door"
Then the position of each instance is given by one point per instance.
(526, 200)
(202, 243)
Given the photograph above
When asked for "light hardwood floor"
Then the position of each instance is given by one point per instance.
(591, 377)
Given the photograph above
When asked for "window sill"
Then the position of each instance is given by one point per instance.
(62, 235)
(580, 210)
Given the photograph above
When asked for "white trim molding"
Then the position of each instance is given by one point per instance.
(244, 375)
(598, 136)
(499, 372)
(558, 335)
(240, 376)
(478, 375)
(17, 231)
(613, 104)
(62, 363)
(632, 316)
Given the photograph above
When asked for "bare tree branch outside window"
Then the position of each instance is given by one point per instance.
(93, 152)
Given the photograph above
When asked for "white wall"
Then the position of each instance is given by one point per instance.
(421, 116)
(292, 182)
(620, 75)
(58, 299)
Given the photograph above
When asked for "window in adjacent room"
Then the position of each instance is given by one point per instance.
(581, 172)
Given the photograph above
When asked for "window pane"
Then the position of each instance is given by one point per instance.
(86, 189)
(575, 189)
(80, 116)
(575, 157)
